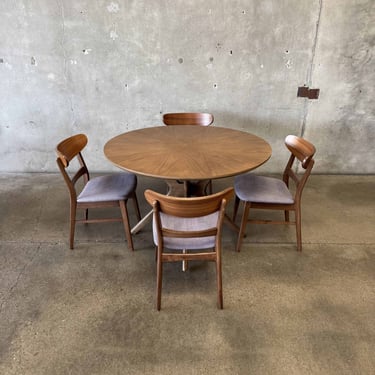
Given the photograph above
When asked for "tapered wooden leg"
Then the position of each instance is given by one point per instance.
(159, 279)
(219, 280)
(235, 208)
(298, 228)
(286, 215)
(125, 219)
(73, 210)
(136, 206)
(245, 216)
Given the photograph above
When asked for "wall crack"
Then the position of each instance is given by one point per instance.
(310, 70)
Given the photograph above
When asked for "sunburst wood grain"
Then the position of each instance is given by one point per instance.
(187, 152)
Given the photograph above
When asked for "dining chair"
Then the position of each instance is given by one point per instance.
(99, 192)
(271, 193)
(189, 188)
(191, 224)
(185, 118)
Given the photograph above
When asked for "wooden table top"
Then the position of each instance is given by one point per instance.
(187, 152)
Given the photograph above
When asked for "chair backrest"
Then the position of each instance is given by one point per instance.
(69, 148)
(185, 209)
(202, 119)
(303, 151)
(66, 151)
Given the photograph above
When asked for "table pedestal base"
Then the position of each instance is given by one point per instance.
(177, 188)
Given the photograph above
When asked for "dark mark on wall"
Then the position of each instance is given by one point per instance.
(1, 61)
(215, 85)
(180, 60)
(33, 61)
(211, 59)
(231, 52)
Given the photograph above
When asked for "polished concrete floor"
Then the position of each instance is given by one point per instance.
(92, 310)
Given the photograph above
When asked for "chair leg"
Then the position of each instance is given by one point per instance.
(125, 219)
(286, 215)
(73, 211)
(219, 282)
(235, 208)
(245, 216)
(136, 206)
(159, 279)
(298, 228)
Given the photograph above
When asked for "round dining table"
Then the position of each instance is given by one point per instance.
(187, 152)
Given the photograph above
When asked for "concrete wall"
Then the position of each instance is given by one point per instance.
(105, 67)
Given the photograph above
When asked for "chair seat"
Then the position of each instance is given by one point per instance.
(108, 188)
(187, 224)
(261, 189)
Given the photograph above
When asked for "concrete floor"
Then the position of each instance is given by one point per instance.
(92, 310)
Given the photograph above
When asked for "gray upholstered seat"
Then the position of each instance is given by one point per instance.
(187, 224)
(108, 188)
(253, 188)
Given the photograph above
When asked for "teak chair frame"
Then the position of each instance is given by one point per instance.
(302, 151)
(69, 149)
(189, 208)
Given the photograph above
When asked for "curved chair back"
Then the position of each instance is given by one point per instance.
(304, 151)
(201, 119)
(66, 151)
(70, 147)
(188, 207)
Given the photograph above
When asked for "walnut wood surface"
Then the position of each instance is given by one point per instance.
(183, 118)
(187, 152)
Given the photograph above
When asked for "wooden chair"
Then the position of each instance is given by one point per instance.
(192, 224)
(189, 188)
(275, 194)
(99, 192)
(183, 118)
